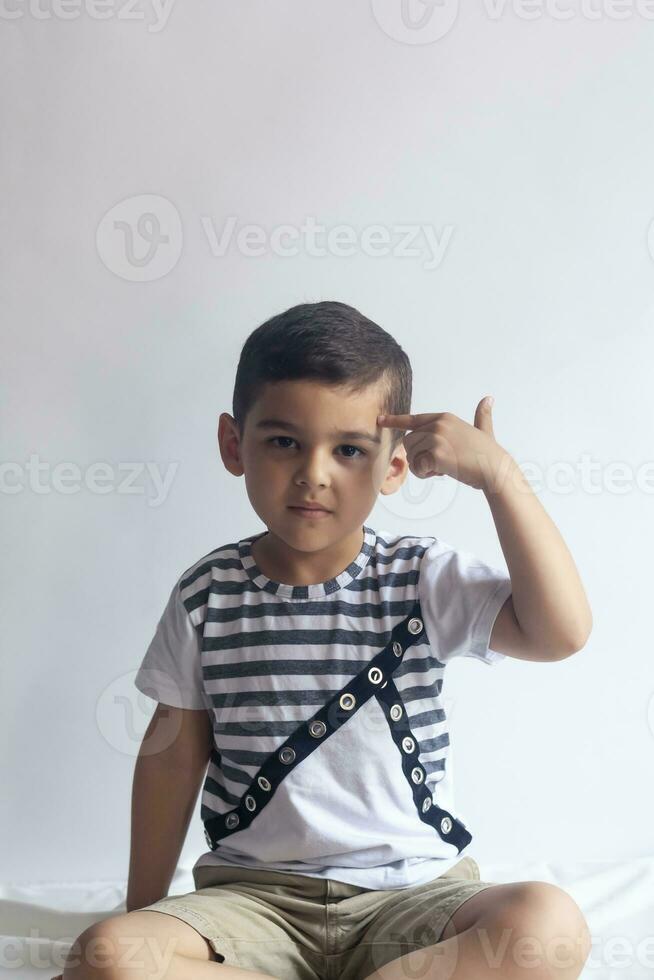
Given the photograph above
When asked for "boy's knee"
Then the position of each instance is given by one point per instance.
(92, 954)
(559, 908)
(110, 950)
(545, 921)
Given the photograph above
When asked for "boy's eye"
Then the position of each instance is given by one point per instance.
(344, 446)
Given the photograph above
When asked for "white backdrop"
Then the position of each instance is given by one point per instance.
(492, 169)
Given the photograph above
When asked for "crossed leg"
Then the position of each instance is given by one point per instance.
(146, 945)
(520, 931)
(530, 930)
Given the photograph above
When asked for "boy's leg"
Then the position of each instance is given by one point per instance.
(147, 945)
(529, 930)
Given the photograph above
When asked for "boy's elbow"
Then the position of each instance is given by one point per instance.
(579, 642)
(179, 738)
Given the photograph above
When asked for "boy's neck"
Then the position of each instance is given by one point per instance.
(280, 563)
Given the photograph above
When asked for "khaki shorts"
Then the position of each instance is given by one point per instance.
(296, 927)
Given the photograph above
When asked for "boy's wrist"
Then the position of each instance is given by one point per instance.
(142, 892)
(501, 472)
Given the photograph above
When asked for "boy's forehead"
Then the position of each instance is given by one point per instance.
(311, 404)
(312, 407)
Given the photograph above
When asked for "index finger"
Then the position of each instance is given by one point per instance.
(407, 421)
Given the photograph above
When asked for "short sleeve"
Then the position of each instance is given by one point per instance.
(460, 597)
(171, 670)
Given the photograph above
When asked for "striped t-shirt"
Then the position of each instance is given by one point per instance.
(331, 743)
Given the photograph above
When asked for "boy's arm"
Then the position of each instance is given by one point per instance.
(547, 616)
(168, 774)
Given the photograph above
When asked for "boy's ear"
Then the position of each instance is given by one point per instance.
(397, 470)
(229, 444)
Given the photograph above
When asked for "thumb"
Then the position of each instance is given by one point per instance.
(484, 416)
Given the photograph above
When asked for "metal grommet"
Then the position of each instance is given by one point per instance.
(231, 820)
(426, 803)
(375, 675)
(446, 825)
(396, 712)
(347, 701)
(397, 648)
(207, 837)
(317, 729)
(414, 625)
(417, 775)
(408, 744)
(287, 755)
(250, 802)
(263, 783)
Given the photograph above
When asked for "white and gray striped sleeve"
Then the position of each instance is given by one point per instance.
(171, 670)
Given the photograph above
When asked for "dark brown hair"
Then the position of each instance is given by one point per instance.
(329, 342)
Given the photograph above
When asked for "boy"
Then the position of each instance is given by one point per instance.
(299, 675)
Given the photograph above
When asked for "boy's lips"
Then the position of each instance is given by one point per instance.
(309, 510)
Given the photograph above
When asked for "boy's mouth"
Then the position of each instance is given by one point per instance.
(313, 511)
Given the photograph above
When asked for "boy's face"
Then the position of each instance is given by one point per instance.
(309, 459)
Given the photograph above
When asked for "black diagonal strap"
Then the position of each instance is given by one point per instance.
(448, 827)
(312, 734)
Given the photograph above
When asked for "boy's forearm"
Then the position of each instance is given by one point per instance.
(548, 596)
(163, 801)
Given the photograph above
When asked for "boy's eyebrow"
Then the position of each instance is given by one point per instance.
(280, 424)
